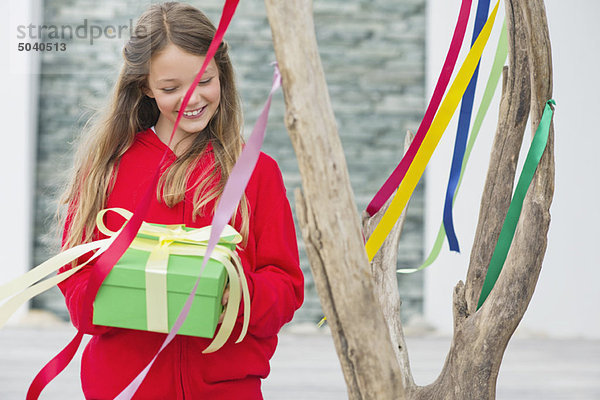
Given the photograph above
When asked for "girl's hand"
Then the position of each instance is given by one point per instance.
(224, 301)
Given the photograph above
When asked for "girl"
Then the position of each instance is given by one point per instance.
(162, 59)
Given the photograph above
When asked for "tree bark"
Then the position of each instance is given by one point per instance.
(327, 211)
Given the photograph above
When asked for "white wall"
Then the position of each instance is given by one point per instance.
(566, 300)
(18, 108)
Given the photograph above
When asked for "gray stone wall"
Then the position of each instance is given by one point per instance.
(373, 57)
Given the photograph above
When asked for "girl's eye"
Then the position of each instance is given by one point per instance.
(204, 82)
(167, 90)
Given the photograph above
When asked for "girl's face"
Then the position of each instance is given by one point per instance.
(172, 71)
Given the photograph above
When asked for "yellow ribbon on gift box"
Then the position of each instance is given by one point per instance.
(173, 239)
(170, 239)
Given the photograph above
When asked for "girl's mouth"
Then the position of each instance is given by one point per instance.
(194, 114)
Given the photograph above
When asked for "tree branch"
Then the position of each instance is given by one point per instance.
(385, 278)
(524, 261)
(330, 222)
(497, 192)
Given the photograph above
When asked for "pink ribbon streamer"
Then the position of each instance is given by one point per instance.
(232, 193)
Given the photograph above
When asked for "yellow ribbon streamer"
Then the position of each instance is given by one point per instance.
(437, 128)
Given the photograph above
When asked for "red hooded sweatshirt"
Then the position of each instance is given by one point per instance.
(115, 356)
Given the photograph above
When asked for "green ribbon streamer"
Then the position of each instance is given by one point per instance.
(516, 204)
(488, 95)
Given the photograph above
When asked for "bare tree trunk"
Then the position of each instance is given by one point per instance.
(327, 211)
(372, 352)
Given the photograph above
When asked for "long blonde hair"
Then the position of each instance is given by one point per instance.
(112, 132)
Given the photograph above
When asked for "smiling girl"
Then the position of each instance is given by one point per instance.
(115, 166)
(171, 73)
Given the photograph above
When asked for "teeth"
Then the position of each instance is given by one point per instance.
(192, 113)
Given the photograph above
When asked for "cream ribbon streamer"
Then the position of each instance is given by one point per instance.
(171, 240)
(22, 289)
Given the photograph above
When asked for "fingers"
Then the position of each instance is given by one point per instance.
(225, 297)
(224, 301)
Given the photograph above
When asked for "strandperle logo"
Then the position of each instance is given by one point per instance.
(68, 32)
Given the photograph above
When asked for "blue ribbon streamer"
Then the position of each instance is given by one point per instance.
(462, 133)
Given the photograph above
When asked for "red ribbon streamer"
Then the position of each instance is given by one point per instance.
(110, 257)
(400, 171)
(54, 367)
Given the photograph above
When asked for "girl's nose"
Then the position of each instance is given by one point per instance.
(195, 99)
(196, 96)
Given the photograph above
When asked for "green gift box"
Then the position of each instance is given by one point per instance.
(124, 301)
